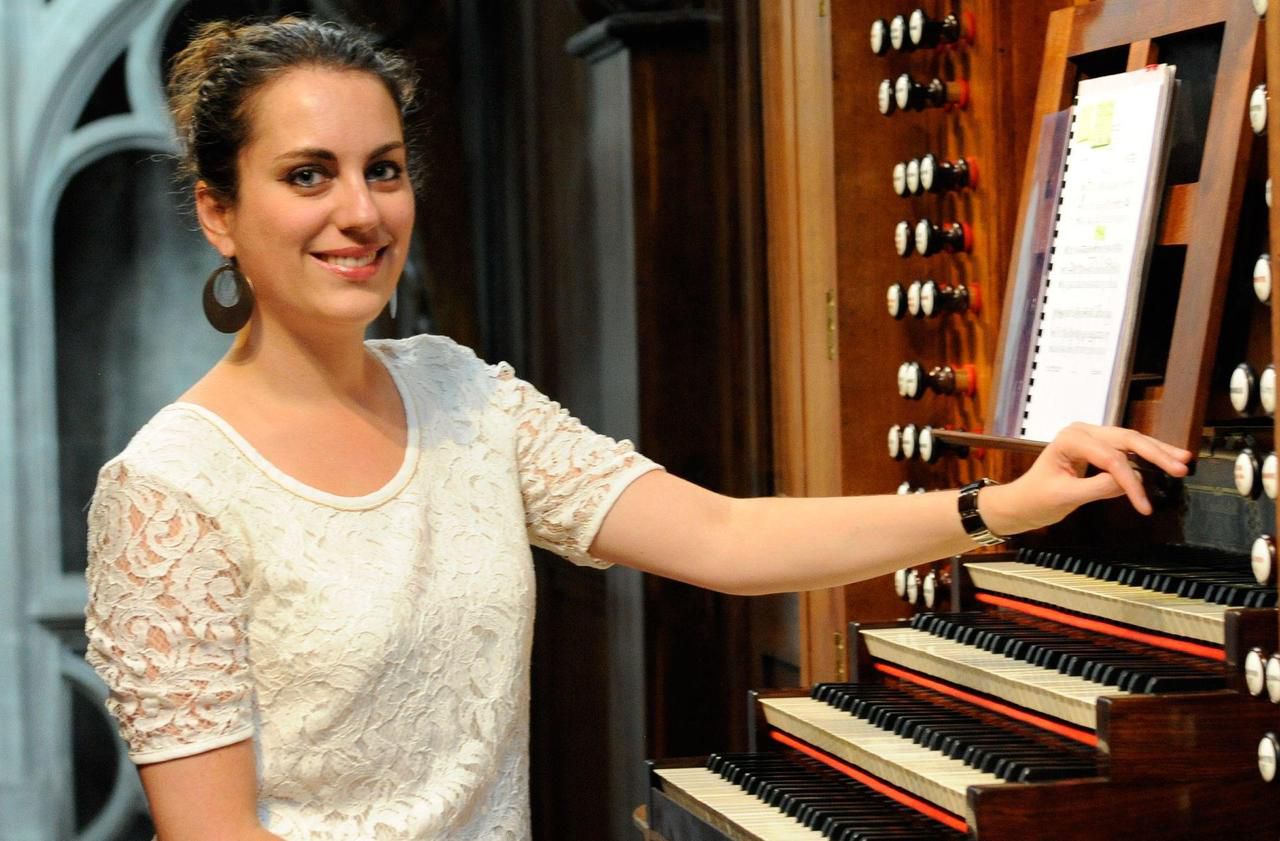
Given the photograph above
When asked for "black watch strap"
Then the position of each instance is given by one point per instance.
(971, 520)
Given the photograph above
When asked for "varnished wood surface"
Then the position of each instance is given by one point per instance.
(1098, 810)
(796, 79)
(1182, 738)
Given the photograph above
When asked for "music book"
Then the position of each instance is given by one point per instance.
(1089, 291)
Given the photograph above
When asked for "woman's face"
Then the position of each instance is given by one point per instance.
(324, 209)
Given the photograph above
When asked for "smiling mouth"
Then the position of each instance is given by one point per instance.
(350, 262)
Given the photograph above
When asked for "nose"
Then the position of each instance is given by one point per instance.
(356, 208)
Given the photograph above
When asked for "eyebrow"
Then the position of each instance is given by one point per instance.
(326, 155)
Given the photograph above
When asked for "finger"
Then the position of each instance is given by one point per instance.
(1170, 459)
(1113, 461)
(1096, 487)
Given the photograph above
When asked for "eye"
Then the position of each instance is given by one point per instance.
(384, 171)
(306, 176)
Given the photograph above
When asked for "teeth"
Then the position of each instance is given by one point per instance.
(350, 262)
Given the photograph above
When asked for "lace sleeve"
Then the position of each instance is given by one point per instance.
(166, 619)
(570, 476)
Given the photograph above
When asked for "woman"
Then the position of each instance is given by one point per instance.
(310, 583)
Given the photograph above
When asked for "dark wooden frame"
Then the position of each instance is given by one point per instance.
(1176, 410)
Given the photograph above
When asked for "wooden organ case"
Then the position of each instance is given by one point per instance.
(1111, 677)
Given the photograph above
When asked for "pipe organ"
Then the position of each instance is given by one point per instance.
(1112, 677)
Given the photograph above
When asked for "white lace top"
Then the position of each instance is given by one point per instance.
(376, 648)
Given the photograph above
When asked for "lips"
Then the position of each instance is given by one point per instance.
(359, 263)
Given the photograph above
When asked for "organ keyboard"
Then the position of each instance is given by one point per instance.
(1081, 661)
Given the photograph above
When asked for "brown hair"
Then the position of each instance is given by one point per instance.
(212, 79)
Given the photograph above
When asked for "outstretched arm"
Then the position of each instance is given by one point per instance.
(670, 527)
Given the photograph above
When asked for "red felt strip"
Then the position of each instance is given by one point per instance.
(893, 792)
(1195, 649)
(1082, 736)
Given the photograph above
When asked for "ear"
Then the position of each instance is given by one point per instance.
(217, 217)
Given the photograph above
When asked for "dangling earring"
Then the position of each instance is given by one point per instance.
(228, 298)
(391, 304)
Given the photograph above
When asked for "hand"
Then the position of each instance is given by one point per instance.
(1056, 484)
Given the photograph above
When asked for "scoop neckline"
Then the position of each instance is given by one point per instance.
(299, 488)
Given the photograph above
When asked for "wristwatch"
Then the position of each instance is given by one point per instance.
(971, 519)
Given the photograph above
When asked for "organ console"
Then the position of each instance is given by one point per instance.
(1114, 677)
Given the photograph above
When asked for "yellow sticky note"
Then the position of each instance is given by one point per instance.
(1084, 123)
(1099, 232)
(1100, 131)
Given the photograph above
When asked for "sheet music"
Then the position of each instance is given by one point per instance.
(1106, 220)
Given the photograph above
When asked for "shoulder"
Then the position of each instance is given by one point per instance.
(176, 453)
(440, 365)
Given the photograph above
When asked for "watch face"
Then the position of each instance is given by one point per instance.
(902, 238)
(928, 171)
(924, 230)
(928, 298)
(902, 91)
(884, 97)
(878, 33)
(900, 179)
(1257, 109)
(898, 32)
(913, 175)
(1262, 278)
